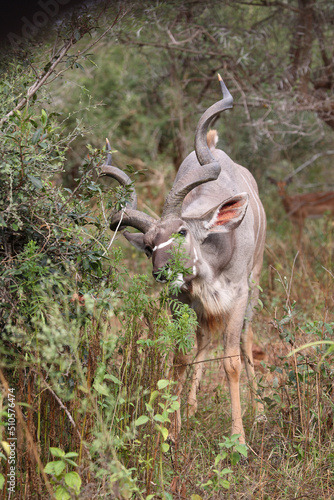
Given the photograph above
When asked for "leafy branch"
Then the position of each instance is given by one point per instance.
(57, 58)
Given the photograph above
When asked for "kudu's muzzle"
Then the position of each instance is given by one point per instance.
(162, 275)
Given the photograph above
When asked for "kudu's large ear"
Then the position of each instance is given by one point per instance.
(136, 239)
(227, 215)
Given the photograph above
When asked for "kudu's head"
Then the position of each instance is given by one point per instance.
(157, 237)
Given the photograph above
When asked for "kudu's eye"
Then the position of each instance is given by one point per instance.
(148, 251)
(183, 232)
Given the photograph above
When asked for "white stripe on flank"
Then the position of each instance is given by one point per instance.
(257, 205)
(164, 244)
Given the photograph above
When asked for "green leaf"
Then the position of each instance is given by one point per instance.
(164, 447)
(62, 494)
(113, 379)
(44, 117)
(36, 136)
(71, 454)
(55, 467)
(35, 181)
(226, 471)
(225, 484)
(277, 398)
(83, 389)
(69, 461)
(59, 467)
(161, 418)
(196, 497)
(175, 405)
(208, 483)
(153, 397)
(73, 480)
(241, 448)
(57, 452)
(141, 420)
(168, 496)
(163, 383)
(101, 389)
(2, 222)
(164, 432)
(235, 457)
(2, 481)
(49, 468)
(79, 66)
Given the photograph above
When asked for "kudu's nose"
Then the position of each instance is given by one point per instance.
(162, 274)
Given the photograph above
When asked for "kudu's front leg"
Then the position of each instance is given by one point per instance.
(232, 363)
(179, 375)
(203, 343)
(247, 347)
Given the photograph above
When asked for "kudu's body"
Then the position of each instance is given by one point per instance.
(303, 206)
(214, 205)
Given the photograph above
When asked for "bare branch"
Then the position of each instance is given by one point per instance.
(57, 59)
(168, 46)
(311, 160)
(175, 42)
(120, 14)
(265, 3)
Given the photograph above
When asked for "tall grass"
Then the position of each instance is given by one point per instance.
(92, 378)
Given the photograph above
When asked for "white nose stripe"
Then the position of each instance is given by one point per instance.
(164, 244)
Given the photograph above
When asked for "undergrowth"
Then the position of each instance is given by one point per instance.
(91, 371)
(87, 345)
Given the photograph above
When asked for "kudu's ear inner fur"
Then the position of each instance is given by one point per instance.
(227, 215)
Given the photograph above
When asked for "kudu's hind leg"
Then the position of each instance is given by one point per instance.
(247, 352)
(232, 366)
(247, 340)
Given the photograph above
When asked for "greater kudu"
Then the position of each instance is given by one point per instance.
(214, 205)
